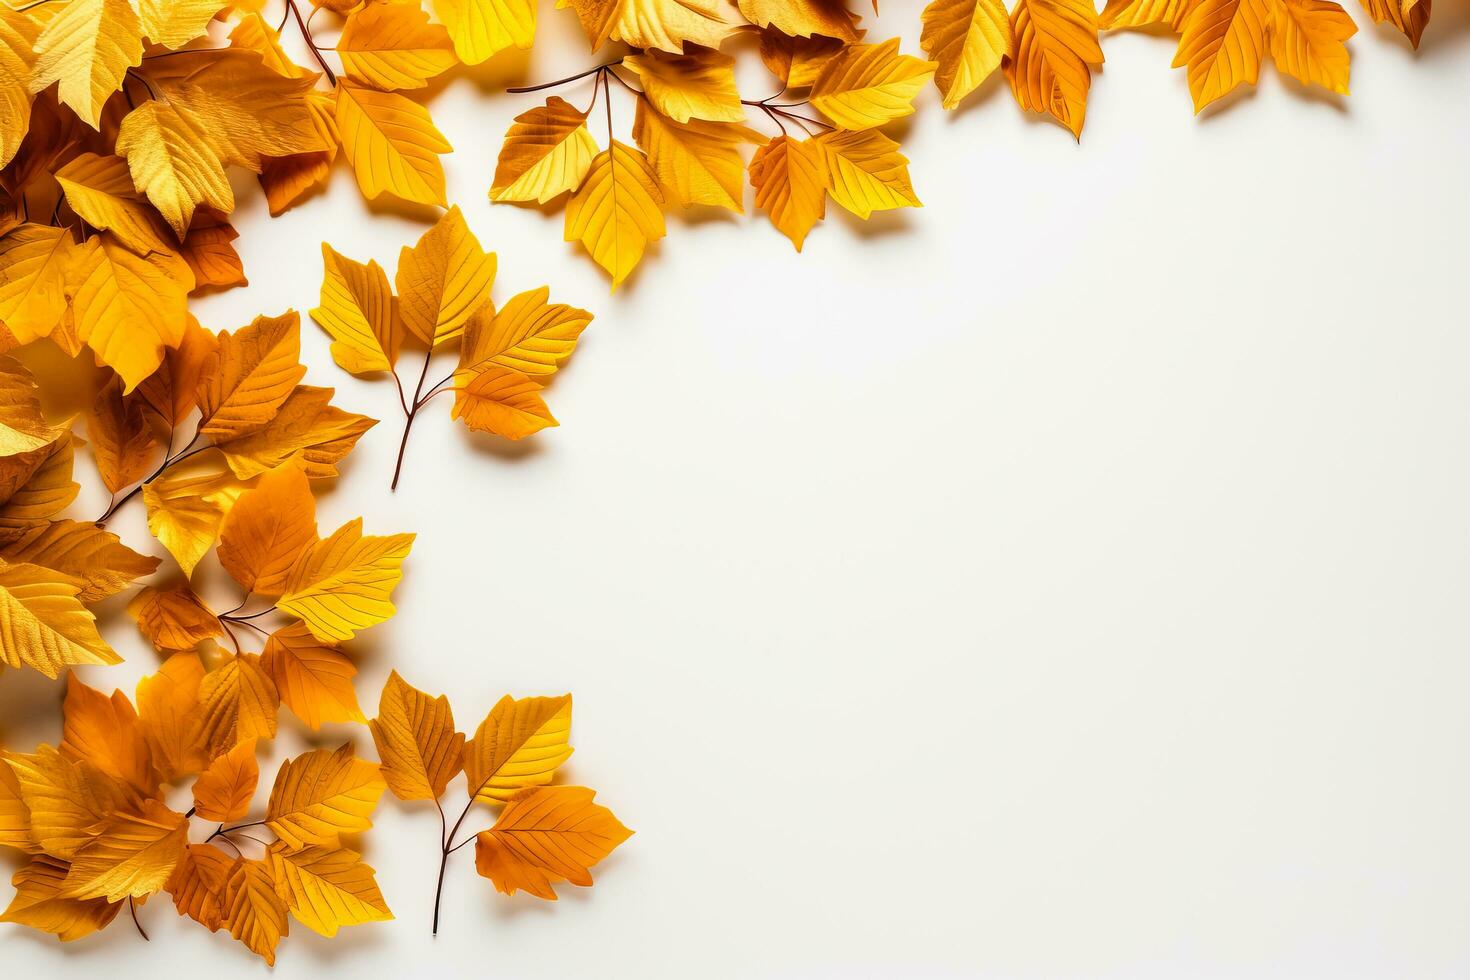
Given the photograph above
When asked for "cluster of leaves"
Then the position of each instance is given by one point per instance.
(91, 814)
(443, 300)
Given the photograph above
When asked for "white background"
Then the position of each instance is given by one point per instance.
(1067, 579)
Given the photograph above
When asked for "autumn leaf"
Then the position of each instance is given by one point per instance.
(1221, 45)
(342, 584)
(198, 884)
(484, 28)
(105, 731)
(866, 172)
(321, 795)
(790, 180)
(802, 18)
(120, 437)
(43, 625)
(252, 911)
(698, 162)
(417, 741)
(250, 374)
(663, 24)
(393, 46)
(392, 144)
(307, 428)
(265, 532)
(698, 85)
(66, 798)
(313, 678)
(237, 703)
(100, 190)
(527, 334)
(85, 49)
(358, 310)
(131, 854)
(168, 713)
(519, 744)
(39, 903)
(36, 263)
(443, 279)
(224, 790)
(185, 512)
(327, 888)
(129, 308)
(547, 152)
(967, 39)
(80, 551)
(1054, 47)
(503, 402)
(545, 835)
(618, 210)
(869, 85)
(173, 619)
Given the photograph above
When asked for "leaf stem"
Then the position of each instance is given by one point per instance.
(168, 460)
(306, 36)
(412, 414)
(133, 909)
(522, 90)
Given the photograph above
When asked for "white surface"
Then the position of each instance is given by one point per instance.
(1067, 579)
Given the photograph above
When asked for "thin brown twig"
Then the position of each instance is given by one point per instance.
(133, 909)
(522, 90)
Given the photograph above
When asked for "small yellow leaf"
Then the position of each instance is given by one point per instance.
(617, 211)
(174, 23)
(483, 28)
(803, 18)
(67, 798)
(342, 584)
(866, 172)
(100, 190)
(82, 551)
(36, 263)
(120, 438)
(520, 743)
(237, 703)
(1307, 42)
(224, 790)
(967, 39)
(797, 61)
(210, 255)
(131, 855)
(443, 279)
(308, 429)
(1221, 44)
(663, 24)
(1123, 14)
(252, 910)
(502, 402)
(357, 309)
(87, 47)
(546, 835)
(168, 703)
(128, 308)
(869, 85)
(393, 46)
(527, 334)
(321, 795)
(185, 512)
(392, 144)
(172, 391)
(198, 884)
(173, 619)
(547, 152)
(700, 162)
(790, 180)
(698, 85)
(327, 888)
(417, 742)
(43, 625)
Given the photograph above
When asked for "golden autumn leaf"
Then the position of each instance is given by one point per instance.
(290, 178)
(307, 428)
(618, 211)
(443, 279)
(967, 39)
(698, 162)
(797, 61)
(224, 790)
(85, 49)
(1408, 17)
(802, 18)
(171, 392)
(790, 180)
(168, 714)
(80, 551)
(527, 334)
(129, 308)
(39, 903)
(869, 85)
(36, 263)
(66, 798)
(198, 884)
(359, 312)
(545, 835)
(173, 619)
(237, 703)
(697, 85)
(1221, 45)
(18, 34)
(483, 28)
(185, 512)
(174, 23)
(37, 487)
(321, 795)
(1307, 42)
(866, 172)
(520, 743)
(1124, 14)
(547, 152)
(250, 374)
(392, 144)
(252, 910)
(662, 24)
(1055, 45)
(210, 254)
(342, 583)
(130, 855)
(313, 678)
(43, 625)
(120, 437)
(15, 818)
(502, 402)
(327, 888)
(100, 190)
(420, 749)
(105, 731)
(393, 46)
(267, 530)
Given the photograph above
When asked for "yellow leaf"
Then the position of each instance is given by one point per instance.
(131, 854)
(327, 888)
(699, 85)
(357, 309)
(40, 489)
(802, 18)
(1307, 42)
(172, 391)
(393, 46)
(314, 679)
(105, 731)
(174, 23)
(1055, 42)
(967, 39)
(198, 884)
(24, 430)
(869, 85)
(1222, 44)
(617, 211)
(128, 308)
(662, 24)
(321, 795)
(100, 190)
(121, 440)
(249, 376)
(417, 742)
(1123, 14)
(237, 703)
(527, 334)
(172, 164)
(38, 902)
(81, 551)
(252, 33)
(790, 181)
(36, 262)
(173, 619)
(224, 790)
(307, 428)
(342, 584)
(66, 798)
(443, 279)
(797, 61)
(700, 162)
(168, 704)
(251, 909)
(185, 512)
(289, 178)
(18, 33)
(502, 402)
(87, 48)
(547, 151)
(482, 28)
(866, 172)
(15, 819)
(546, 835)
(43, 625)
(392, 144)
(520, 743)
(267, 530)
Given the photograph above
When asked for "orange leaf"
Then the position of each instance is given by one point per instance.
(223, 791)
(545, 835)
(267, 530)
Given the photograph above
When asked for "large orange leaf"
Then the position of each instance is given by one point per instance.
(546, 835)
